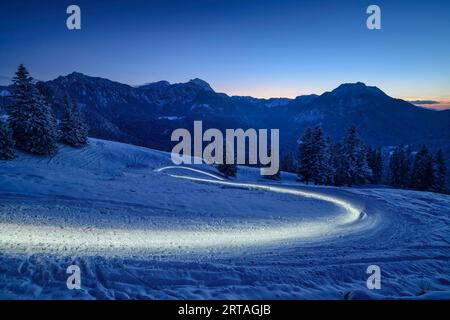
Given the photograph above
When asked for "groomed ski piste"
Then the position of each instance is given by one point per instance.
(141, 228)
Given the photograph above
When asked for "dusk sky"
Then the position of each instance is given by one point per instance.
(246, 47)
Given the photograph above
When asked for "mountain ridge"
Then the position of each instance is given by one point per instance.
(146, 115)
(344, 88)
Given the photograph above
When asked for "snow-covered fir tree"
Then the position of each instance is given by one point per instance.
(400, 167)
(74, 130)
(395, 162)
(320, 169)
(46, 93)
(406, 167)
(315, 157)
(306, 156)
(32, 121)
(355, 169)
(6, 141)
(440, 173)
(375, 162)
(22, 101)
(422, 171)
(43, 133)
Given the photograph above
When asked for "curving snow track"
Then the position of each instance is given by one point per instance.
(141, 234)
(131, 241)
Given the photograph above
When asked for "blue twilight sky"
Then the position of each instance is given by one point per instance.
(263, 48)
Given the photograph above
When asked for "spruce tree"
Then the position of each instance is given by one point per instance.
(400, 167)
(306, 156)
(32, 121)
(21, 105)
(46, 93)
(394, 167)
(6, 141)
(422, 172)
(406, 167)
(375, 162)
(315, 159)
(319, 166)
(440, 172)
(73, 128)
(354, 159)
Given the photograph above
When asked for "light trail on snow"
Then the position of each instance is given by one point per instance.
(16, 237)
(190, 169)
(353, 212)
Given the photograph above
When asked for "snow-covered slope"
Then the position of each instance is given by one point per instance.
(139, 228)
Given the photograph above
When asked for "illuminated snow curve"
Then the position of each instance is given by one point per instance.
(18, 237)
(353, 213)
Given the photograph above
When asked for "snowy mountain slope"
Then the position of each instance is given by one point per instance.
(139, 232)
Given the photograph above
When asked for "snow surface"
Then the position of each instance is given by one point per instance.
(139, 227)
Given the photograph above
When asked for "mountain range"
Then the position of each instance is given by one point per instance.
(146, 115)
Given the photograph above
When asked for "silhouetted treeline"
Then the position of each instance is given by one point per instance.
(351, 162)
(421, 170)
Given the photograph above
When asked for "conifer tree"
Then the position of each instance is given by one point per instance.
(394, 168)
(319, 149)
(406, 167)
(73, 128)
(354, 159)
(46, 93)
(21, 105)
(440, 172)
(422, 172)
(375, 162)
(400, 167)
(32, 121)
